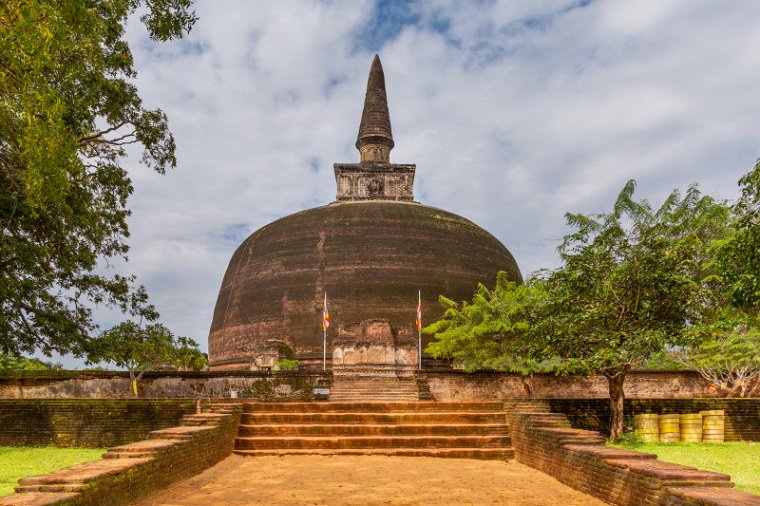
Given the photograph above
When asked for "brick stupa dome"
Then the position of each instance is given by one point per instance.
(371, 251)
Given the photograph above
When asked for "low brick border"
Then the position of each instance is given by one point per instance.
(580, 459)
(129, 472)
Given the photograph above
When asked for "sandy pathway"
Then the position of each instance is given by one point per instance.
(368, 480)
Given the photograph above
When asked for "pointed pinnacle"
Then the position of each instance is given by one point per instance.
(375, 134)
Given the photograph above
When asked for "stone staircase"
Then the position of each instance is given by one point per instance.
(432, 429)
(374, 390)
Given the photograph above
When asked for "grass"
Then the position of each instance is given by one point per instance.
(741, 460)
(22, 461)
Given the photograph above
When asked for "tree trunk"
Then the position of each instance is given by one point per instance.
(615, 379)
(133, 383)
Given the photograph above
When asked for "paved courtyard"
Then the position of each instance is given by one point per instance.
(368, 480)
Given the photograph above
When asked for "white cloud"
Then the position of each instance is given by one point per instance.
(515, 112)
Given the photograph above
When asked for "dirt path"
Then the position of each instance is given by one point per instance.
(368, 480)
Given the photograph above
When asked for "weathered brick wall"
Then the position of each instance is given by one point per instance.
(580, 459)
(130, 472)
(742, 415)
(262, 386)
(95, 423)
(487, 386)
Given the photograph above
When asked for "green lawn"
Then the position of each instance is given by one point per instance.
(21, 461)
(738, 459)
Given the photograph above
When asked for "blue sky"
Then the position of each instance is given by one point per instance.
(515, 112)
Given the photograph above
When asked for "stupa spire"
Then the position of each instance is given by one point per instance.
(375, 139)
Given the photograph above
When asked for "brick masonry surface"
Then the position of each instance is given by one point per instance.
(445, 386)
(263, 386)
(129, 472)
(580, 459)
(94, 423)
(484, 386)
(742, 415)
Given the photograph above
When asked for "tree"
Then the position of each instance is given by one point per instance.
(726, 352)
(739, 256)
(68, 111)
(140, 349)
(630, 282)
(724, 342)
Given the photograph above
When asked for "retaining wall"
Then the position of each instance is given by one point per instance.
(580, 459)
(94, 423)
(298, 385)
(742, 415)
(487, 386)
(129, 472)
(259, 385)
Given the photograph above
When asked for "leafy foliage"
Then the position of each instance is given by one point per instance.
(631, 281)
(10, 362)
(663, 361)
(494, 331)
(725, 350)
(68, 111)
(739, 257)
(140, 349)
(286, 364)
(723, 342)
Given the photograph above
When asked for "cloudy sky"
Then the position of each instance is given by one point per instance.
(515, 112)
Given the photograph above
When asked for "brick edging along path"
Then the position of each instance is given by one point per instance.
(542, 440)
(580, 459)
(129, 472)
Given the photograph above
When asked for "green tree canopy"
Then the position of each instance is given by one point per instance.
(631, 281)
(724, 342)
(68, 111)
(739, 257)
(9, 362)
(496, 330)
(140, 349)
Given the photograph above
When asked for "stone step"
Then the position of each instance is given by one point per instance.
(64, 487)
(457, 453)
(364, 442)
(537, 406)
(375, 407)
(378, 398)
(400, 385)
(201, 419)
(364, 382)
(356, 391)
(372, 392)
(474, 429)
(377, 391)
(372, 417)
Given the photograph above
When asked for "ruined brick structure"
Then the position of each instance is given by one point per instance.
(371, 251)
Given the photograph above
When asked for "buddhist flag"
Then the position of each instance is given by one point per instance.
(325, 316)
(419, 310)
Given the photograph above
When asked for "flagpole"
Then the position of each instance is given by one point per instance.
(324, 336)
(419, 327)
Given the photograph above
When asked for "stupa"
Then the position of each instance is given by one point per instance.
(371, 251)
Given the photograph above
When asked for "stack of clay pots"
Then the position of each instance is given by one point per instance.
(670, 428)
(713, 425)
(646, 428)
(691, 427)
(688, 428)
